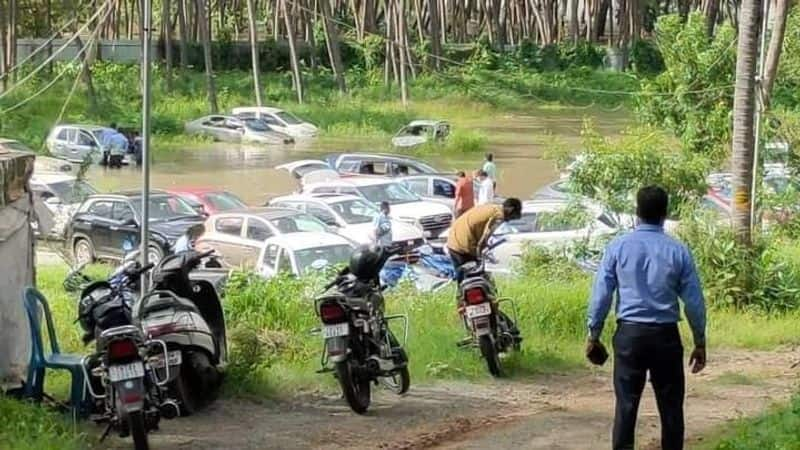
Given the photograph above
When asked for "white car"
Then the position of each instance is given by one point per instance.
(234, 129)
(302, 253)
(278, 119)
(301, 168)
(419, 132)
(432, 217)
(351, 217)
(56, 197)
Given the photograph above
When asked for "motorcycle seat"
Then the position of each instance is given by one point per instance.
(168, 301)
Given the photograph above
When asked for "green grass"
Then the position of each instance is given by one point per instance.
(777, 429)
(25, 426)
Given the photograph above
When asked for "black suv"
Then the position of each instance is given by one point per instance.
(106, 225)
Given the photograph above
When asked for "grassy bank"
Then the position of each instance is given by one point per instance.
(776, 429)
(467, 98)
(31, 427)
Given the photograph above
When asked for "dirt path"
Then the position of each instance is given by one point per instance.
(550, 412)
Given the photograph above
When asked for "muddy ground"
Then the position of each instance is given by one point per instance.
(559, 411)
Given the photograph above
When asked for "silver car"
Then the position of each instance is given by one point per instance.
(232, 129)
(76, 142)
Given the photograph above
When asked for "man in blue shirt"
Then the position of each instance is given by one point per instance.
(649, 270)
(382, 226)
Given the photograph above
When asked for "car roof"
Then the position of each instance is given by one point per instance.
(194, 190)
(555, 203)
(302, 162)
(383, 156)
(264, 109)
(51, 177)
(78, 125)
(321, 198)
(264, 212)
(449, 176)
(354, 181)
(425, 122)
(305, 240)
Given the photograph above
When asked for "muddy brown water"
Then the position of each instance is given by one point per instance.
(518, 142)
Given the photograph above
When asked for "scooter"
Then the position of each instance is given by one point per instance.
(187, 315)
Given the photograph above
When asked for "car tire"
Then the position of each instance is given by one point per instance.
(83, 251)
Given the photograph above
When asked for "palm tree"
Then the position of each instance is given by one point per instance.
(744, 104)
(202, 25)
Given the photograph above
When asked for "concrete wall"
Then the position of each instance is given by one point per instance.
(123, 50)
(16, 265)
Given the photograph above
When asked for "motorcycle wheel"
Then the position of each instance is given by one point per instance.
(400, 381)
(138, 432)
(356, 392)
(489, 353)
(194, 384)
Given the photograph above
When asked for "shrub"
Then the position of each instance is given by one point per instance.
(645, 58)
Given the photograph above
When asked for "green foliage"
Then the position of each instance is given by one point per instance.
(777, 429)
(581, 54)
(692, 97)
(26, 426)
(611, 171)
(645, 58)
(786, 91)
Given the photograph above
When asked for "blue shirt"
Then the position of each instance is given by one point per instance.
(650, 270)
(183, 244)
(382, 225)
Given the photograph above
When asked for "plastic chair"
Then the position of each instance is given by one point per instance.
(34, 386)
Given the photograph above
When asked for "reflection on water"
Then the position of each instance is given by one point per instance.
(518, 142)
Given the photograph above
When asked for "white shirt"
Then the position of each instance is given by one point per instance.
(486, 191)
(183, 244)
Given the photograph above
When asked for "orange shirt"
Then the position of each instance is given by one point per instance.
(465, 194)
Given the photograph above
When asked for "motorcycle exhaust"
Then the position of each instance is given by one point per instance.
(169, 409)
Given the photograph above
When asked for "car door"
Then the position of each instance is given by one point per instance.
(227, 239)
(443, 188)
(275, 123)
(256, 233)
(418, 185)
(60, 143)
(99, 221)
(323, 214)
(84, 145)
(284, 264)
(124, 232)
(269, 259)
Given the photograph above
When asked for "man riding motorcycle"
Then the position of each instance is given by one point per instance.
(471, 231)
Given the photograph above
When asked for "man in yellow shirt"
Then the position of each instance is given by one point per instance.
(471, 231)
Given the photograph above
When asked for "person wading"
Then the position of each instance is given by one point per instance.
(485, 188)
(465, 194)
(491, 169)
(649, 270)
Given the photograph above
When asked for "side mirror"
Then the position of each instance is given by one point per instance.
(129, 222)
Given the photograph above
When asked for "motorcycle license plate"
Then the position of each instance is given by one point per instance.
(174, 358)
(126, 371)
(484, 309)
(338, 330)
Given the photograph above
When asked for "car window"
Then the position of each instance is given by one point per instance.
(224, 201)
(322, 214)
(63, 135)
(324, 190)
(349, 166)
(257, 230)
(271, 120)
(355, 211)
(289, 118)
(229, 225)
(101, 209)
(122, 212)
(525, 224)
(297, 223)
(270, 255)
(442, 188)
(284, 265)
(394, 193)
(418, 186)
(85, 138)
(72, 135)
(373, 168)
(332, 255)
(165, 207)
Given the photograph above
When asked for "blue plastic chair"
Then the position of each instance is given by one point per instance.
(34, 386)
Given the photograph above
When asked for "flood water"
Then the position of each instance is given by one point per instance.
(518, 142)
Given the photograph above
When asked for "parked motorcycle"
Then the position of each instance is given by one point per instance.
(187, 315)
(359, 346)
(489, 328)
(119, 376)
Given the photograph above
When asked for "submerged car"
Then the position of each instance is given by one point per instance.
(432, 217)
(77, 143)
(107, 225)
(279, 120)
(56, 197)
(351, 217)
(301, 168)
(378, 164)
(302, 253)
(237, 236)
(419, 132)
(232, 129)
(208, 200)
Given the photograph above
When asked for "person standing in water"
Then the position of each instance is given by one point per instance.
(490, 168)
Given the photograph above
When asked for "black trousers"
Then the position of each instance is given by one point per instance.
(640, 349)
(459, 259)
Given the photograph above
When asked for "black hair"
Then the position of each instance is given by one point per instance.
(651, 205)
(512, 209)
(489, 157)
(461, 174)
(385, 206)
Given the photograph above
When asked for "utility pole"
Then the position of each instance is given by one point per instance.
(145, 238)
(251, 18)
(760, 107)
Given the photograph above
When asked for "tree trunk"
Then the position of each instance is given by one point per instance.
(332, 40)
(780, 14)
(744, 104)
(86, 74)
(572, 19)
(251, 20)
(202, 25)
(436, 34)
(297, 79)
(3, 48)
(599, 25)
(711, 11)
(184, 35)
(11, 43)
(401, 30)
(166, 24)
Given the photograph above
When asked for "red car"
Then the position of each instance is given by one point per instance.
(208, 201)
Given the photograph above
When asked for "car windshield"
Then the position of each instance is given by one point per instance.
(332, 255)
(72, 191)
(289, 118)
(355, 211)
(224, 201)
(164, 207)
(297, 222)
(394, 193)
(256, 125)
(98, 132)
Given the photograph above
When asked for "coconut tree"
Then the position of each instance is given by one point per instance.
(780, 13)
(202, 25)
(251, 20)
(744, 104)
